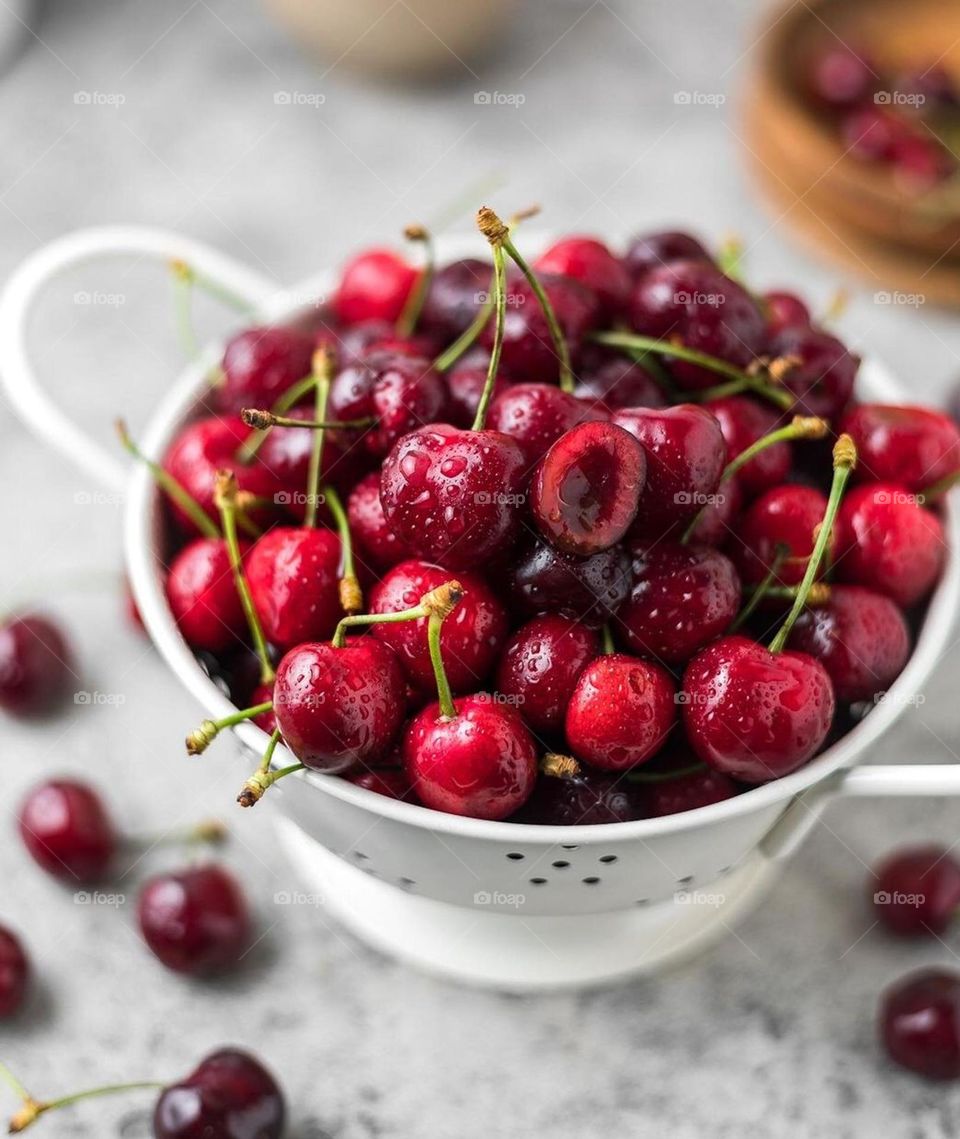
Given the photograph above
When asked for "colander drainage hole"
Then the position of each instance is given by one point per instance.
(538, 881)
(608, 858)
(406, 883)
(685, 881)
(569, 846)
(561, 865)
(359, 856)
(590, 881)
(516, 856)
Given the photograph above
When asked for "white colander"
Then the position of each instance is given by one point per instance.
(513, 907)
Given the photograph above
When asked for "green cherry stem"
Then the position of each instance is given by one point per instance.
(351, 594)
(442, 600)
(203, 736)
(211, 287)
(247, 451)
(730, 258)
(263, 778)
(445, 697)
(183, 307)
(939, 488)
(407, 321)
(225, 496)
(495, 232)
(844, 461)
(606, 641)
(259, 418)
(781, 554)
(322, 369)
(167, 483)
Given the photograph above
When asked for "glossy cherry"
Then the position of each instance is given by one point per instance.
(859, 636)
(472, 636)
(912, 446)
(347, 345)
(655, 249)
(203, 597)
(916, 891)
(687, 791)
(785, 518)
(465, 384)
(391, 782)
(482, 762)
(683, 596)
(839, 75)
(285, 453)
(589, 261)
(821, 373)
(337, 707)
(378, 544)
(67, 831)
(586, 489)
(536, 415)
(293, 574)
(36, 665)
(540, 666)
(374, 285)
(784, 310)
(719, 518)
(621, 712)
(195, 920)
(14, 973)
(743, 421)
(920, 162)
(456, 293)
(871, 132)
(589, 590)
(230, 1095)
(610, 380)
(260, 364)
(889, 543)
(919, 1023)
(575, 796)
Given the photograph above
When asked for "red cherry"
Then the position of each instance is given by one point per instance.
(860, 637)
(582, 798)
(481, 762)
(621, 712)
(889, 543)
(14, 973)
(540, 668)
(374, 285)
(683, 597)
(36, 665)
(916, 891)
(912, 446)
(230, 1095)
(536, 415)
(387, 781)
(822, 375)
(470, 640)
(589, 261)
(785, 310)
(871, 132)
(453, 496)
(337, 707)
(609, 381)
(454, 297)
(785, 516)
(654, 249)
(370, 530)
(743, 421)
(465, 384)
(839, 75)
(260, 695)
(920, 163)
(720, 518)
(259, 364)
(687, 792)
(196, 920)
(932, 85)
(67, 831)
(920, 1023)
(753, 714)
(347, 345)
(293, 575)
(203, 597)
(588, 590)
(285, 453)
(586, 489)
(686, 455)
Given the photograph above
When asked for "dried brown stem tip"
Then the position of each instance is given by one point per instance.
(225, 489)
(257, 417)
(252, 792)
(810, 426)
(845, 453)
(181, 269)
(559, 766)
(819, 595)
(523, 215)
(351, 595)
(416, 233)
(27, 1114)
(202, 737)
(491, 226)
(323, 362)
(780, 367)
(443, 600)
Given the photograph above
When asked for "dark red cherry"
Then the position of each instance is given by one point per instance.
(654, 249)
(260, 695)
(454, 297)
(720, 517)
(229, 1096)
(14, 973)
(785, 310)
(839, 75)
(920, 162)
(687, 791)
(931, 87)
(540, 667)
(860, 637)
(912, 446)
(621, 712)
(481, 763)
(293, 574)
(871, 132)
(588, 590)
(195, 920)
(581, 799)
(683, 596)
(528, 352)
(743, 421)
(203, 597)
(378, 545)
(686, 455)
(454, 496)
(920, 1023)
(889, 543)
(471, 637)
(589, 261)
(694, 302)
(285, 453)
(339, 707)
(585, 490)
(347, 345)
(752, 714)
(374, 285)
(536, 415)
(786, 516)
(259, 364)
(916, 891)
(398, 392)
(822, 373)
(465, 384)
(36, 665)
(388, 781)
(614, 381)
(67, 831)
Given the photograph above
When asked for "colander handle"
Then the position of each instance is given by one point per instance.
(799, 819)
(17, 373)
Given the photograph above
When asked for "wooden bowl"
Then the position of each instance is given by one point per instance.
(855, 209)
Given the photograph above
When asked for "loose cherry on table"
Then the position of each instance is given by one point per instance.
(14, 973)
(914, 447)
(589, 261)
(919, 1023)
(67, 831)
(374, 285)
(589, 590)
(916, 891)
(568, 795)
(36, 665)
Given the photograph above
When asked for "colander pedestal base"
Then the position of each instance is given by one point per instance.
(517, 953)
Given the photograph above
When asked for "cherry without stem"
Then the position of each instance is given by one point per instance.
(260, 364)
(202, 596)
(655, 249)
(568, 795)
(67, 831)
(368, 524)
(36, 665)
(374, 285)
(916, 891)
(911, 446)
(589, 590)
(919, 1023)
(14, 973)
(589, 261)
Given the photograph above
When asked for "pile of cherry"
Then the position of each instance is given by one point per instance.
(907, 122)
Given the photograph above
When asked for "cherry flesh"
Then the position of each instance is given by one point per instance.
(374, 285)
(743, 421)
(454, 297)
(196, 920)
(586, 489)
(652, 250)
(293, 575)
(916, 891)
(583, 799)
(785, 517)
(589, 590)
(14, 973)
(230, 1095)
(822, 373)
(920, 1023)
(66, 829)
(481, 762)
(537, 415)
(540, 666)
(369, 528)
(36, 665)
(753, 714)
(203, 597)
(260, 364)
(589, 261)
(912, 446)
(621, 712)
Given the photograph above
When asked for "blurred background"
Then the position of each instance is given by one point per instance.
(289, 133)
